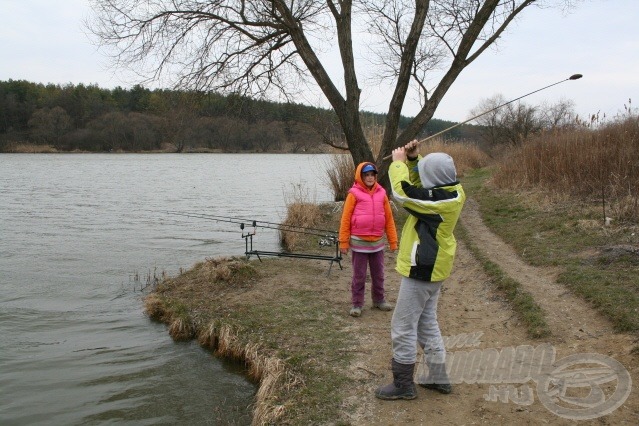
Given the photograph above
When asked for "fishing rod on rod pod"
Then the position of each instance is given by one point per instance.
(256, 223)
(572, 77)
(327, 238)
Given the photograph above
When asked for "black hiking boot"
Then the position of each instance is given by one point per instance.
(437, 379)
(402, 386)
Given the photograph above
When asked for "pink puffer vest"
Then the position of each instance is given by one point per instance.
(368, 216)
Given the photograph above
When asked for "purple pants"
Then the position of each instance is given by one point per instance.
(360, 263)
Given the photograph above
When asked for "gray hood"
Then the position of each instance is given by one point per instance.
(437, 169)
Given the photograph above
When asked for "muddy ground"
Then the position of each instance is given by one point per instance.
(587, 389)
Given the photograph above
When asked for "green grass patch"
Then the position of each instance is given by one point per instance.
(614, 292)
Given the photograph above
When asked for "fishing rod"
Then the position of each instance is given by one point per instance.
(262, 224)
(572, 77)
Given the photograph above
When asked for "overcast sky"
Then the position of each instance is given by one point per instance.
(43, 41)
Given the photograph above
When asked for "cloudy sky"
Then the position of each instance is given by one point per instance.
(44, 41)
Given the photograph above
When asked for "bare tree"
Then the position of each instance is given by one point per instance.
(263, 48)
(507, 124)
(560, 114)
(490, 121)
(179, 120)
(520, 121)
(513, 123)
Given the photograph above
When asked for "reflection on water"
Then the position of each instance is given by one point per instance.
(75, 229)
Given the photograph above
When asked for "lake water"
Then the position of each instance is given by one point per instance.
(76, 233)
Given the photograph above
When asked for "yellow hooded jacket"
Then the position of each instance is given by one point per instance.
(427, 188)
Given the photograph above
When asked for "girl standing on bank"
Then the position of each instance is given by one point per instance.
(366, 217)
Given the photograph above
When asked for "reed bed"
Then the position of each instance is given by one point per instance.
(467, 156)
(593, 164)
(340, 173)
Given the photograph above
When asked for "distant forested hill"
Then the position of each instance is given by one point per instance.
(90, 118)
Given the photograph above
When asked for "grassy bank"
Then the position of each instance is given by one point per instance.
(599, 262)
(278, 318)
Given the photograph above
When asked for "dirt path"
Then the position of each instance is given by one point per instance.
(471, 308)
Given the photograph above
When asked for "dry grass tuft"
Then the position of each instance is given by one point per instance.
(228, 344)
(340, 175)
(218, 273)
(254, 361)
(302, 212)
(273, 376)
(154, 307)
(181, 326)
(182, 329)
(299, 214)
(208, 337)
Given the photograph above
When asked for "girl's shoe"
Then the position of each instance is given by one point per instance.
(356, 311)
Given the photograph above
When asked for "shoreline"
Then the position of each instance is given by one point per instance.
(23, 148)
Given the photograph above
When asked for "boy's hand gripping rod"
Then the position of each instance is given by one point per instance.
(572, 77)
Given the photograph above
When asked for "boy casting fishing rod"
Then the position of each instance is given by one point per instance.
(429, 190)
